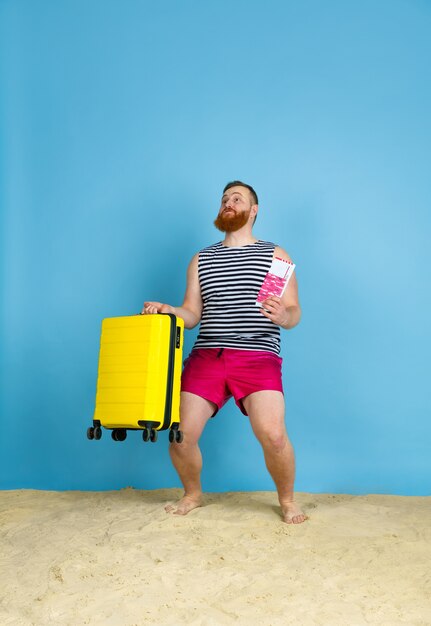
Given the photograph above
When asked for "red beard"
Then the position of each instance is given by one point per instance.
(232, 221)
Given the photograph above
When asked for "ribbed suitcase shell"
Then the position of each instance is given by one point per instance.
(139, 371)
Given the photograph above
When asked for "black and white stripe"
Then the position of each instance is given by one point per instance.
(230, 279)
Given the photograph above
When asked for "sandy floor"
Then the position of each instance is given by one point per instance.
(117, 558)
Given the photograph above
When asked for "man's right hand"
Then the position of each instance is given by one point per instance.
(150, 308)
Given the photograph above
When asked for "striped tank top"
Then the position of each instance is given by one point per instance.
(230, 279)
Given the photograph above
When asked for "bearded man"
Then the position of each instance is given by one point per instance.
(237, 349)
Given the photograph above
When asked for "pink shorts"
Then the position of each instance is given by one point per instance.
(216, 374)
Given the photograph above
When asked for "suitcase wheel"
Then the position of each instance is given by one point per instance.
(149, 434)
(90, 432)
(176, 435)
(97, 432)
(119, 434)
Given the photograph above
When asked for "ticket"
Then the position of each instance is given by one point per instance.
(276, 280)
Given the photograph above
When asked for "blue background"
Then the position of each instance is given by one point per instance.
(120, 124)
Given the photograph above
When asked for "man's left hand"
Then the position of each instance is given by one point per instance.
(276, 311)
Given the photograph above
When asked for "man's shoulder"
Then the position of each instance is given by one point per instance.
(210, 249)
(280, 252)
(206, 252)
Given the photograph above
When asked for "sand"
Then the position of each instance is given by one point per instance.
(116, 558)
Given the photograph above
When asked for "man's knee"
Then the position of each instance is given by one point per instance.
(273, 440)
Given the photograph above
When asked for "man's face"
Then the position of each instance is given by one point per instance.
(234, 210)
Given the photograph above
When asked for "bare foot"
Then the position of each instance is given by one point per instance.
(185, 505)
(292, 514)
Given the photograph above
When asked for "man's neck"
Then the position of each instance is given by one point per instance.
(239, 238)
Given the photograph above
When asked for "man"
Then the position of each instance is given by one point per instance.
(236, 352)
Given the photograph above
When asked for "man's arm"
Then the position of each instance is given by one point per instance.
(191, 309)
(284, 311)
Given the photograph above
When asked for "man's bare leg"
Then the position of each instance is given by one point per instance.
(186, 456)
(266, 412)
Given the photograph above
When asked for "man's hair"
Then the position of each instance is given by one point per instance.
(238, 183)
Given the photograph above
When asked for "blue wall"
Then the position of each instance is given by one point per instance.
(120, 123)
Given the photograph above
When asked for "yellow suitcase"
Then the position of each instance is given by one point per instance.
(139, 375)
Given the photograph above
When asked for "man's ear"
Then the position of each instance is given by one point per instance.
(254, 209)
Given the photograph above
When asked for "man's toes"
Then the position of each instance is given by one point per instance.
(294, 519)
(169, 508)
